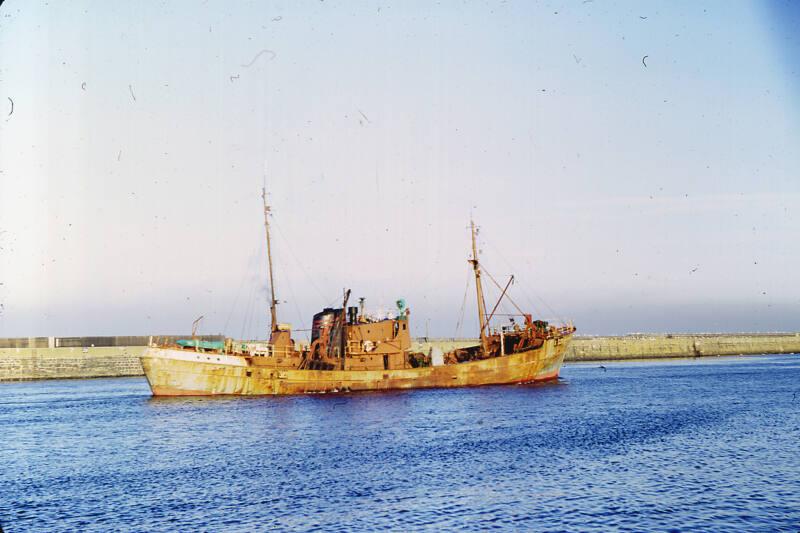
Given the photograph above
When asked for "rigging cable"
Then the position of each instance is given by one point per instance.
(246, 319)
(294, 298)
(460, 321)
(239, 290)
(501, 288)
(524, 292)
(294, 256)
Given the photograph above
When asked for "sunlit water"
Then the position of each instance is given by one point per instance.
(690, 445)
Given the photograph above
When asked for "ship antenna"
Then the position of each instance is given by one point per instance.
(273, 311)
(481, 302)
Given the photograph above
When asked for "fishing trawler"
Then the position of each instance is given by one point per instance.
(350, 350)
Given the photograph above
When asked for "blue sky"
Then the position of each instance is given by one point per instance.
(625, 197)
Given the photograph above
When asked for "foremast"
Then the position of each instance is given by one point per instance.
(343, 330)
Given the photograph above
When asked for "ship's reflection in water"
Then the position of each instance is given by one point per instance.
(688, 445)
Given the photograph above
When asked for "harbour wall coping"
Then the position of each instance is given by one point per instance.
(93, 357)
(654, 346)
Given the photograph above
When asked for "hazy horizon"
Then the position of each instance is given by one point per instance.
(634, 166)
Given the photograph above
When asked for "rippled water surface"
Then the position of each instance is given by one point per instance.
(689, 445)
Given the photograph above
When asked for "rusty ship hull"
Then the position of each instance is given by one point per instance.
(174, 372)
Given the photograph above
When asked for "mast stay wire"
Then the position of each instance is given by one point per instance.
(501, 288)
(256, 314)
(246, 316)
(294, 298)
(460, 321)
(502, 294)
(253, 312)
(251, 306)
(522, 288)
(239, 290)
(484, 241)
(286, 243)
(501, 304)
(299, 263)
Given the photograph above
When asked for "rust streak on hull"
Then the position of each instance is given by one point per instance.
(173, 373)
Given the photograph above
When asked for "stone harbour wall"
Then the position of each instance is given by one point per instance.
(18, 364)
(643, 346)
(28, 358)
(654, 346)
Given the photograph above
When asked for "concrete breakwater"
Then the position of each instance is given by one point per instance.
(18, 364)
(93, 357)
(655, 346)
(648, 346)
(27, 358)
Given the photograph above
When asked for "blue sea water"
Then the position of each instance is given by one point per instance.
(693, 445)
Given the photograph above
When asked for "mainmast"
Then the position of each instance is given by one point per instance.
(481, 303)
(273, 311)
(343, 331)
